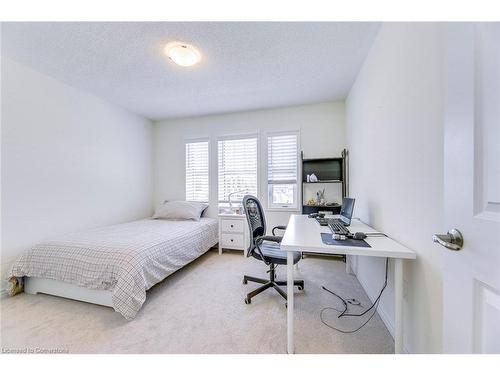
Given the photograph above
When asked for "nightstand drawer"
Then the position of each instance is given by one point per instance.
(228, 225)
(233, 241)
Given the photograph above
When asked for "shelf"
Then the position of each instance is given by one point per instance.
(321, 159)
(328, 171)
(319, 206)
(324, 182)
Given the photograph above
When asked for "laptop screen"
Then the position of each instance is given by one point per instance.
(346, 210)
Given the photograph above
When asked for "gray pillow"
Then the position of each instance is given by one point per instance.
(180, 210)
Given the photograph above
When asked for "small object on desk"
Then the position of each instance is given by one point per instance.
(359, 236)
(308, 178)
(324, 213)
(322, 221)
(328, 240)
(313, 178)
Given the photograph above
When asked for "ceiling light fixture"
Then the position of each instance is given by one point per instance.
(182, 54)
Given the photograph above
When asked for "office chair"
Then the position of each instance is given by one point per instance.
(266, 249)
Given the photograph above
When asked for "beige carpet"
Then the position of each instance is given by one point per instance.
(200, 309)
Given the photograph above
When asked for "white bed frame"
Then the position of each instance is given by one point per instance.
(35, 285)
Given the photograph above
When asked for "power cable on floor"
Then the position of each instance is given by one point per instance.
(352, 301)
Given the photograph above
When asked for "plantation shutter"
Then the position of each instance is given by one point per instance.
(237, 159)
(282, 159)
(197, 171)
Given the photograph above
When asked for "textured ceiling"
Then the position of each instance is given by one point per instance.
(245, 65)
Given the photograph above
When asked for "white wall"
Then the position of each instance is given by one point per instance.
(69, 160)
(394, 130)
(322, 135)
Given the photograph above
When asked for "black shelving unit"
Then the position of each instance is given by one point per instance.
(328, 171)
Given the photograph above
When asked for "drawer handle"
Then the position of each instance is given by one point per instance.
(232, 240)
(232, 226)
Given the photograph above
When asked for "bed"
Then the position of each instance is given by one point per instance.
(114, 265)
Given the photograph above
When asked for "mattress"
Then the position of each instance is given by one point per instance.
(126, 259)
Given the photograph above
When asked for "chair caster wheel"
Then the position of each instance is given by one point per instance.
(300, 287)
(245, 281)
(286, 305)
(248, 301)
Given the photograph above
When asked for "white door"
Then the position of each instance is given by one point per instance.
(471, 276)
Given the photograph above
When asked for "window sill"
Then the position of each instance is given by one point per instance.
(277, 209)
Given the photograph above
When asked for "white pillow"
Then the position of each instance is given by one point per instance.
(180, 210)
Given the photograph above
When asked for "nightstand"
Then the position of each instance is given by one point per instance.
(233, 232)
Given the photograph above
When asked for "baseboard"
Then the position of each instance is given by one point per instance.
(389, 324)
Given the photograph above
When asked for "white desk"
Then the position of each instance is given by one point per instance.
(303, 234)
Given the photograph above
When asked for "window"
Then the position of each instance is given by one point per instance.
(197, 171)
(282, 154)
(237, 169)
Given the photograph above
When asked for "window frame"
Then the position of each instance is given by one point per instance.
(297, 207)
(198, 140)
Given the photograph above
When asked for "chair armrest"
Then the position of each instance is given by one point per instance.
(280, 227)
(261, 239)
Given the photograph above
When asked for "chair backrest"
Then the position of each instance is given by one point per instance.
(256, 220)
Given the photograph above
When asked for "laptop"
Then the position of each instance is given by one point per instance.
(345, 212)
(339, 226)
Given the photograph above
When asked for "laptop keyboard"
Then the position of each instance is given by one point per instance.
(337, 227)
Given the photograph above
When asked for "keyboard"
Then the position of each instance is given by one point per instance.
(337, 227)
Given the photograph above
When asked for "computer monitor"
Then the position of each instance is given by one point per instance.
(346, 211)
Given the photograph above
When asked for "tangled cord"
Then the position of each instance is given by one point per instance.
(345, 302)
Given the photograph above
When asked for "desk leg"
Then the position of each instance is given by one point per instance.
(289, 291)
(398, 305)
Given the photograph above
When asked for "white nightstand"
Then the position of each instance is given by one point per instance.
(233, 232)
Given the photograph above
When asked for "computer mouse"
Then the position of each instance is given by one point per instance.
(359, 236)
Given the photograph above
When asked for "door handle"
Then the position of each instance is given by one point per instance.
(453, 240)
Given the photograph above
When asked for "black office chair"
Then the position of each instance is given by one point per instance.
(266, 249)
